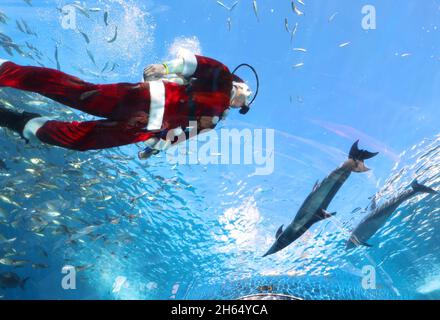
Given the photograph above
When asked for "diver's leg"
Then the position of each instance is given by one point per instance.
(83, 136)
(114, 101)
(15, 121)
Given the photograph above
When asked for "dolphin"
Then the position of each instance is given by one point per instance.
(379, 215)
(315, 205)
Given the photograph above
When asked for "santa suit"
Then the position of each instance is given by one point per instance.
(133, 112)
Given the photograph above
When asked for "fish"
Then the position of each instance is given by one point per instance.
(330, 19)
(113, 39)
(300, 49)
(39, 266)
(83, 232)
(115, 65)
(19, 26)
(86, 37)
(378, 216)
(296, 10)
(342, 45)
(286, 25)
(8, 200)
(255, 6)
(81, 9)
(229, 22)
(13, 262)
(3, 18)
(57, 59)
(295, 28)
(10, 280)
(92, 58)
(28, 30)
(105, 67)
(4, 240)
(314, 207)
(94, 9)
(226, 7)
(298, 65)
(106, 18)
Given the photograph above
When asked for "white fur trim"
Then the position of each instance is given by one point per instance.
(31, 128)
(189, 64)
(157, 105)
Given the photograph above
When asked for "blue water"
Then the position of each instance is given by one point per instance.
(199, 231)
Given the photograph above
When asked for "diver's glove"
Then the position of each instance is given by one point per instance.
(155, 72)
(147, 153)
(159, 71)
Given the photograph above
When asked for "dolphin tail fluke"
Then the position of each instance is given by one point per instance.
(417, 187)
(359, 155)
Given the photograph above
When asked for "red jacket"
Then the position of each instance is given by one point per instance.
(207, 94)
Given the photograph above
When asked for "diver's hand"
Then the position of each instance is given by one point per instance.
(206, 122)
(147, 153)
(154, 72)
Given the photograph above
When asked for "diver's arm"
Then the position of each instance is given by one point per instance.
(167, 139)
(189, 65)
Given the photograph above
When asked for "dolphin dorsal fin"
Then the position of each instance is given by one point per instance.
(279, 231)
(316, 185)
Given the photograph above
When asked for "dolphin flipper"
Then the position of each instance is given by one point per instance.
(365, 244)
(323, 214)
(326, 214)
(279, 231)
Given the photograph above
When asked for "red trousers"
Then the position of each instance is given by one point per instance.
(124, 105)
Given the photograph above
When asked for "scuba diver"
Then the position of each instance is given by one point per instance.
(157, 111)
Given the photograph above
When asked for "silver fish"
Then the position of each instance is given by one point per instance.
(255, 6)
(10, 280)
(57, 59)
(3, 18)
(106, 18)
(105, 67)
(114, 37)
(82, 10)
(92, 58)
(86, 37)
